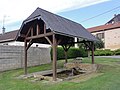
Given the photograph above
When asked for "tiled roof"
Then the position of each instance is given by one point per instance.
(8, 36)
(57, 24)
(116, 18)
(104, 27)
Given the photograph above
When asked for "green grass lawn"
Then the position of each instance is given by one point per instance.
(108, 80)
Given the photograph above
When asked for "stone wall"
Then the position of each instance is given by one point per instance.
(112, 39)
(12, 57)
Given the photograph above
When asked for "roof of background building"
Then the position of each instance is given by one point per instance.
(8, 36)
(104, 27)
(115, 19)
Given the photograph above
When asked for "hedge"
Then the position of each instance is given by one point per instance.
(72, 53)
(76, 52)
(117, 52)
(107, 52)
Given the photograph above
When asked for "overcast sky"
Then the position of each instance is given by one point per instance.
(13, 12)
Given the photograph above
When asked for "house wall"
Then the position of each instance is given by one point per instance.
(112, 39)
(12, 57)
(95, 33)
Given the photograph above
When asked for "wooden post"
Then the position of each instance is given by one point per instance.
(66, 48)
(25, 52)
(92, 53)
(65, 56)
(54, 58)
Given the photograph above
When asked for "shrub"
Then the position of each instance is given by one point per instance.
(99, 44)
(105, 52)
(60, 53)
(117, 52)
(72, 53)
(80, 52)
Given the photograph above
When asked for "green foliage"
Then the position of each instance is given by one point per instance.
(72, 53)
(117, 52)
(108, 80)
(106, 52)
(60, 53)
(99, 44)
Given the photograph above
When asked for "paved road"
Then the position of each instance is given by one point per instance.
(109, 56)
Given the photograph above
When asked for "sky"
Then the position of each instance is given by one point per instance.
(13, 12)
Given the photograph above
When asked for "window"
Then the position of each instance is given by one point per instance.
(100, 35)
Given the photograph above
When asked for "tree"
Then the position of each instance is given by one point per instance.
(99, 44)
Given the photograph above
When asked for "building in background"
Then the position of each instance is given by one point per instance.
(9, 38)
(108, 33)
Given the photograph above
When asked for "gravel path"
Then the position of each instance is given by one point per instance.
(109, 56)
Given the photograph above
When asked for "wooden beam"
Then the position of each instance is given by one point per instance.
(92, 53)
(49, 41)
(39, 36)
(69, 47)
(54, 58)
(25, 56)
(66, 48)
(28, 31)
(58, 42)
(29, 44)
(89, 45)
(44, 28)
(38, 30)
(66, 61)
(32, 32)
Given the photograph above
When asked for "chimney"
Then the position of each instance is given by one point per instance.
(3, 30)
